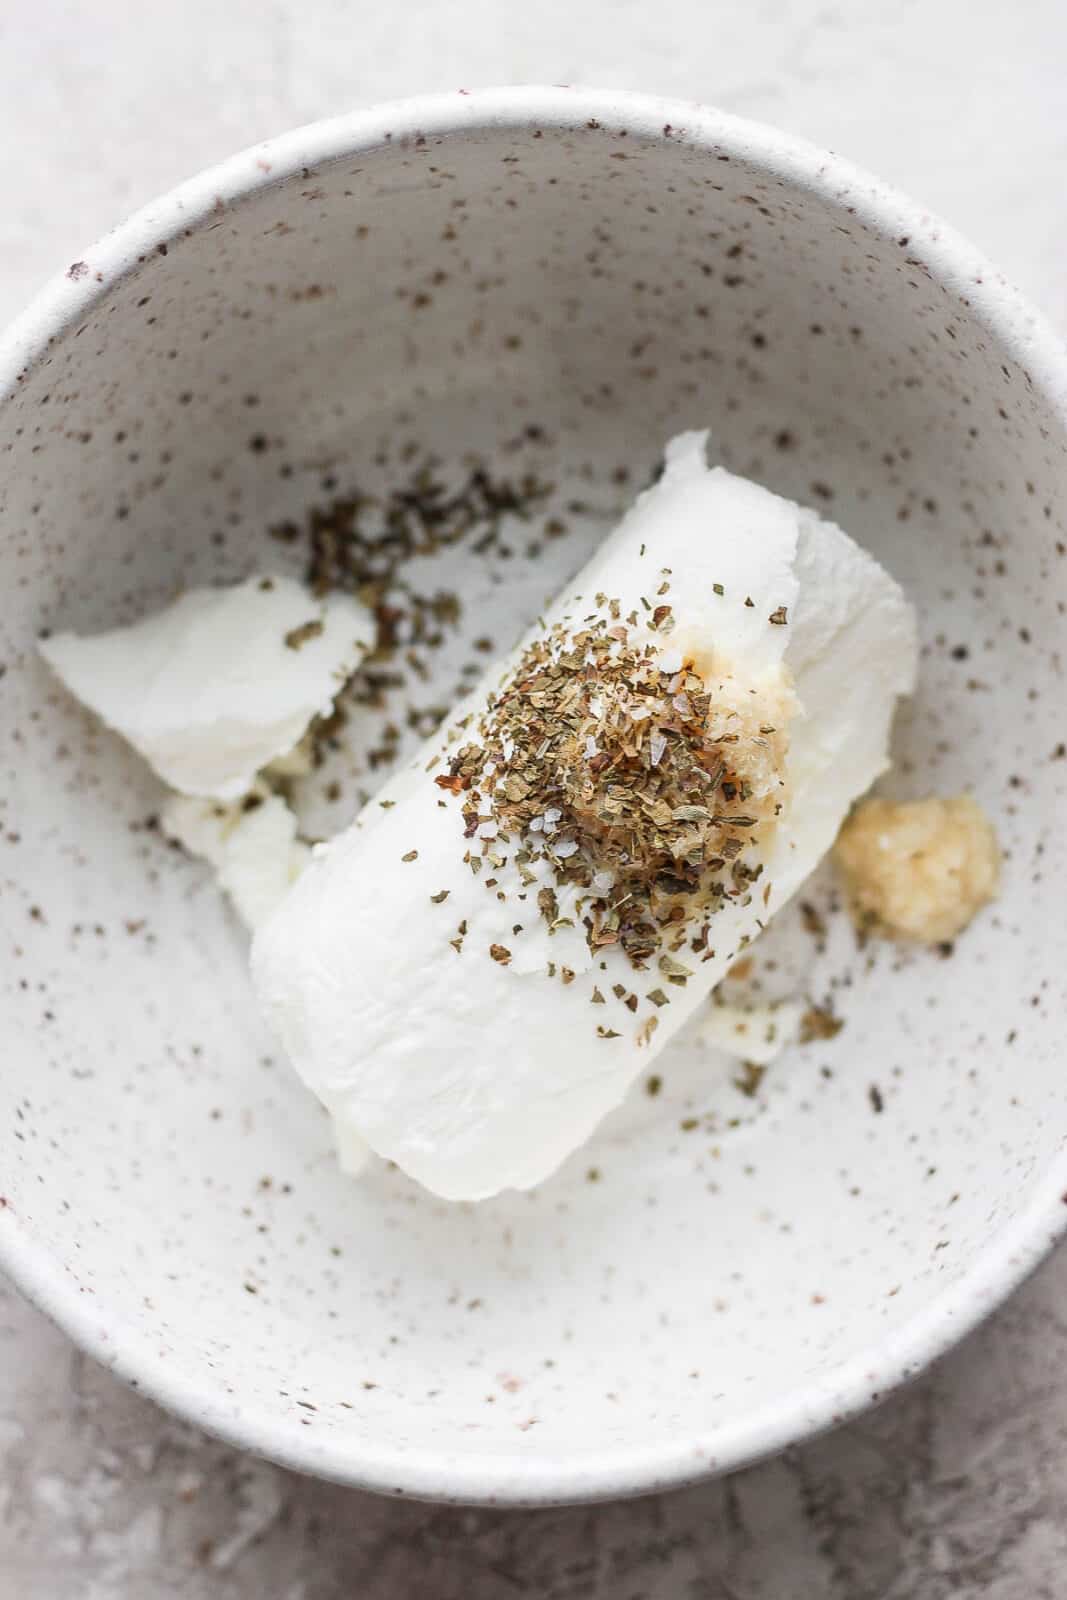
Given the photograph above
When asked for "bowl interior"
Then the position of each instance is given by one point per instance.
(553, 301)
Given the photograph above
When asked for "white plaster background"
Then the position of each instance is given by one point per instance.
(956, 1489)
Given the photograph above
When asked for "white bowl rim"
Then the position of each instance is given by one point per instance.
(1010, 1254)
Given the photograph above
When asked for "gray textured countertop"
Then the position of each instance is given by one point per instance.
(955, 1488)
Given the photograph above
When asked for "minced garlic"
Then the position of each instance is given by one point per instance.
(919, 870)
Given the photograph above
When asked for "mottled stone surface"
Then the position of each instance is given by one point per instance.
(956, 1488)
(953, 1490)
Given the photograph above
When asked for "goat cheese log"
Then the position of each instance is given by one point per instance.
(474, 973)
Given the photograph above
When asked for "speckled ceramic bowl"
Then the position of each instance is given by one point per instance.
(554, 280)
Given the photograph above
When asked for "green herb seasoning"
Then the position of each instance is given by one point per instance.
(623, 778)
(363, 545)
(750, 1078)
(819, 1022)
(298, 637)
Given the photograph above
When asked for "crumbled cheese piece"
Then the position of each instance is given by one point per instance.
(353, 1153)
(251, 844)
(220, 683)
(756, 1033)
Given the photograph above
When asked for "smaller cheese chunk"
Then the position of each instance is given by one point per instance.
(756, 1033)
(251, 844)
(353, 1153)
(220, 683)
(919, 870)
(257, 856)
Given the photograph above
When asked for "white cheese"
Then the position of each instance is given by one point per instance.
(475, 1075)
(257, 856)
(220, 683)
(251, 844)
(353, 1153)
(757, 1033)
